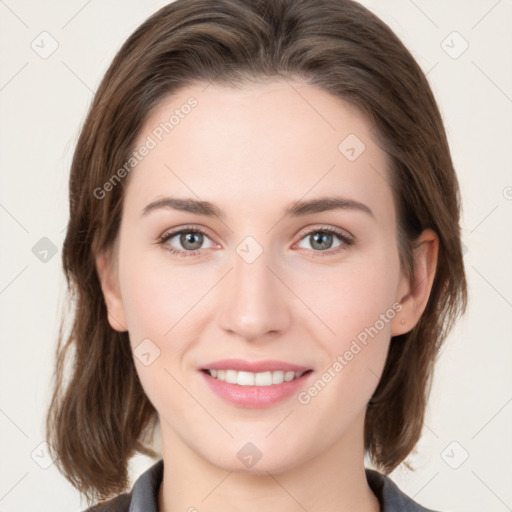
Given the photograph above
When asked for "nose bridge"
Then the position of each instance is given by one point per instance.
(256, 304)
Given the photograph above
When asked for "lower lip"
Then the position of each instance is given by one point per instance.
(255, 397)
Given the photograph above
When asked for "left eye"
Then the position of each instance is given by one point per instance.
(322, 239)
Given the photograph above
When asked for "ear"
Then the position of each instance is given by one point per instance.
(413, 293)
(107, 273)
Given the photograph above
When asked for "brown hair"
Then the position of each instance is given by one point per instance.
(102, 417)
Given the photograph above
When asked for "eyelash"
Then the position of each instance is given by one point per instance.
(346, 240)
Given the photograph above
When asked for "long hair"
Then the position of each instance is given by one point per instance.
(99, 415)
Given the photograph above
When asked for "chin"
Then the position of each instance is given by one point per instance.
(255, 458)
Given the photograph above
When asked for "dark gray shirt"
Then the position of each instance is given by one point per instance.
(144, 495)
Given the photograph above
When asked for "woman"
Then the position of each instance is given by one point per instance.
(265, 254)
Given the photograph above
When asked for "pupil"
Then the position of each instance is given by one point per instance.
(321, 239)
(189, 238)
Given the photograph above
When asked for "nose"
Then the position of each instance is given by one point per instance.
(256, 305)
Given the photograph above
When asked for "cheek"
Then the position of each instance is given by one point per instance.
(355, 356)
(159, 305)
(156, 296)
(354, 296)
(143, 297)
(167, 304)
(358, 306)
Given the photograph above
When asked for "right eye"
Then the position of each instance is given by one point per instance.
(190, 239)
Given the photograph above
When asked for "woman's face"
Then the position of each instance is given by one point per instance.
(317, 287)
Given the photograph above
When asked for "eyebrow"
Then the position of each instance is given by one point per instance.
(295, 209)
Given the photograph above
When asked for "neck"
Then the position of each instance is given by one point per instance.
(332, 481)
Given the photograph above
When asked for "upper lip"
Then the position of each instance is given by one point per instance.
(254, 366)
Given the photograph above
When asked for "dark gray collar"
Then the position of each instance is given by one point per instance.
(144, 494)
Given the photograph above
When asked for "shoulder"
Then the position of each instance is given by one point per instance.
(390, 496)
(120, 503)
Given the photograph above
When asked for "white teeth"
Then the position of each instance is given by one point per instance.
(254, 379)
(245, 379)
(231, 376)
(277, 377)
(289, 376)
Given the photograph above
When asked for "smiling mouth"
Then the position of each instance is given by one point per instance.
(243, 378)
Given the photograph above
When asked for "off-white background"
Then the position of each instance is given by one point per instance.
(42, 105)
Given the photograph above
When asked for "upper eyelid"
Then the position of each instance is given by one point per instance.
(335, 230)
(171, 233)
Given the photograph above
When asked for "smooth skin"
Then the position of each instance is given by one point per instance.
(252, 151)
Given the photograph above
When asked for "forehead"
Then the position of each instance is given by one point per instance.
(278, 139)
